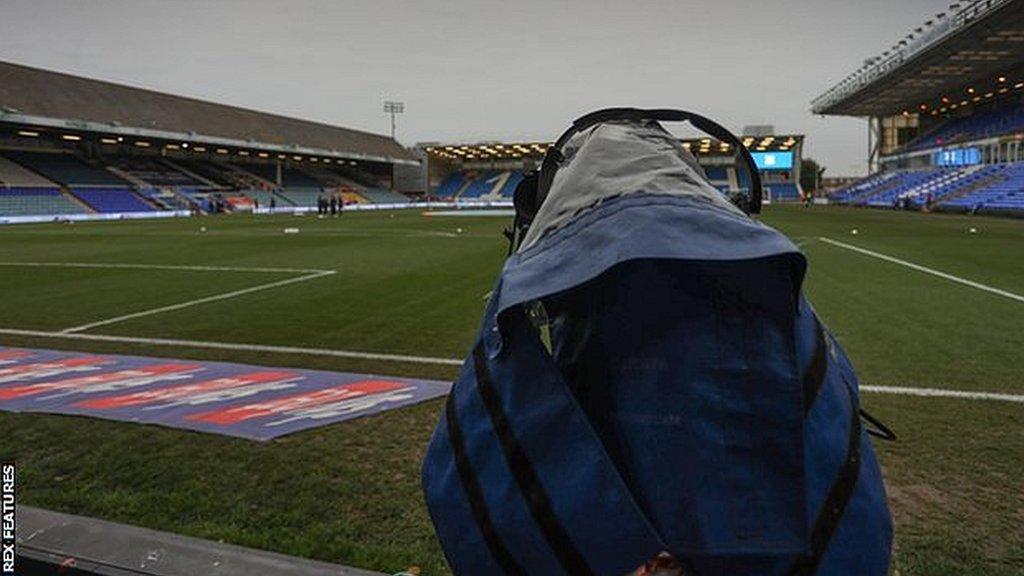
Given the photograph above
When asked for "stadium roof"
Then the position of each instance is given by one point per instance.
(975, 49)
(45, 99)
(536, 150)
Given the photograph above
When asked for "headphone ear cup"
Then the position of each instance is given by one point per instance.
(525, 198)
(525, 201)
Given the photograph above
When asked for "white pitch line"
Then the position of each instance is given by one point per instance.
(163, 267)
(939, 393)
(926, 270)
(197, 301)
(236, 346)
(897, 390)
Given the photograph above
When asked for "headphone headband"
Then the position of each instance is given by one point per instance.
(532, 191)
(554, 154)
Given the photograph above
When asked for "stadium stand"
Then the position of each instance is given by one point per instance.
(226, 178)
(70, 145)
(997, 187)
(290, 177)
(323, 175)
(383, 196)
(884, 188)
(37, 201)
(369, 188)
(153, 172)
(112, 199)
(909, 185)
(168, 198)
(451, 185)
(946, 117)
(353, 198)
(949, 183)
(26, 193)
(360, 177)
(479, 184)
(975, 127)
(264, 197)
(1001, 189)
(492, 171)
(206, 170)
(242, 178)
(14, 175)
(509, 188)
(333, 182)
(257, 181)
(862, 189)
(305, 197)
(66, 169)
(184, 183)
(44, 93)
(483, 184)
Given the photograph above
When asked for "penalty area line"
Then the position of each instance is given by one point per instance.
(196, 302)
(235, 346)
(925, 269)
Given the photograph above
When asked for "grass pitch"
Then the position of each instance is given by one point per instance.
(409, 284)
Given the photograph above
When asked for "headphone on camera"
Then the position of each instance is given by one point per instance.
(534, 187)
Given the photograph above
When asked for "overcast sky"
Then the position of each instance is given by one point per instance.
(472, 70)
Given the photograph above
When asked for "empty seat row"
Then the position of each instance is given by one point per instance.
(479, 184)
(974, 127)
(13, 174)
(994, 186)
(112, 199)
(66, 169)
(37, 202)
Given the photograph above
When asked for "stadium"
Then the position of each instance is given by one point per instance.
(944, 109)
(485, 172)
(134, 153)
(228, 335)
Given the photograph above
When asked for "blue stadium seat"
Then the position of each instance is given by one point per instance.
(483, 183)
(974, 127)
(112, 200)
(450, 185)
(998, 187)
(1003, 191)
(290, 177)
(509, 189)
(37, 202)
(477, 184)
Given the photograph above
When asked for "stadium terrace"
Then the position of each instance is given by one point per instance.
(492, 170)
(944, 111)
(124, 152)
(235, 342)
(130, 152)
